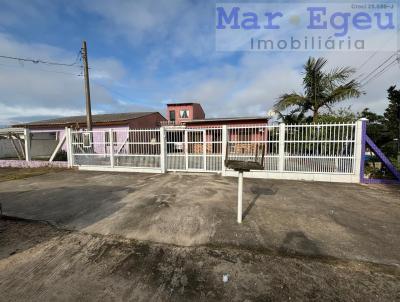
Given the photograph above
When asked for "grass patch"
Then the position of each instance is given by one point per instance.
(7, 174)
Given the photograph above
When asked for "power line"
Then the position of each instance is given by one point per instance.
(368, 59)
(373, 55)
(39, 69)
(377, 68)
(391, 64)
(37, 61)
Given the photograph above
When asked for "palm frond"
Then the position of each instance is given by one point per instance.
(340, 75)
(349, 90)
(288, 100)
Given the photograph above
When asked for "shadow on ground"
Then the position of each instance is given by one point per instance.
(79, 206)
(258, 191)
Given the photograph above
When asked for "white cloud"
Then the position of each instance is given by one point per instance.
(252, 86)
(29, 89)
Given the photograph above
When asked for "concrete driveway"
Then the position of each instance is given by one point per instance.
(344, 221)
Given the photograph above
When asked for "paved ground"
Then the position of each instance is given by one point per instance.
(322, 220)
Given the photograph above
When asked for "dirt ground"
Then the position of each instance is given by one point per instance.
(148, 237)
(343, 221)
(41, 263)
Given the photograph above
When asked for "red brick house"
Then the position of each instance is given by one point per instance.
(192, 115)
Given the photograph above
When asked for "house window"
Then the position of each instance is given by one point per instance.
(184, 113)
(87, 139)
(107, 138)
(172, 115)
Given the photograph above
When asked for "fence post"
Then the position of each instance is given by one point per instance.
(68, 142)
(361, 132)
(27, 137)
(224, 144)
(186, 150)
(281, 162)
(163, 153)
(111, 148)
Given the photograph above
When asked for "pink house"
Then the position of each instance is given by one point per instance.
(122, 122)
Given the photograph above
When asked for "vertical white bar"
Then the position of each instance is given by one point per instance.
(204, 150)
(281, 165)
(240, 197)
(186, 150)
(224, 147)
(358, 146)
(163, 153)
(27, 138)
(111, 142)
(68, 143)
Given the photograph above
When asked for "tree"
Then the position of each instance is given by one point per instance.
(376, 128)
(321, 89)
(341, 115)
(392, 112)
(392, 119)
(292, 117)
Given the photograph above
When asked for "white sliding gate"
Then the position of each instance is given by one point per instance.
(194, 149)
(330, 152)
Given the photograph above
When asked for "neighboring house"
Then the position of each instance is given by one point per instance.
(179, 116)
(192, 115)
(121, 122)
(129, 120)
(179, 113)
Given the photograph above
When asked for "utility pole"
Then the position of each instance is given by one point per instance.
(87, 88)
(398, 135)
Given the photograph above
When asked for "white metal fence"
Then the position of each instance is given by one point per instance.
(140, 148)
(316, 148)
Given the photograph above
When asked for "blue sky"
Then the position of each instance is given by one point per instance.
(143, 54)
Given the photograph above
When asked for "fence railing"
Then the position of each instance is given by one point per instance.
(315, 148)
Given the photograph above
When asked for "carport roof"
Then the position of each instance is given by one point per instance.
(112, 118)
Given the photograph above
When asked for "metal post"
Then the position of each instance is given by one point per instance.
(186, 150)
(111, 140)
(27, 138)
(240, 197)
(281, 163)
(204, 150)
(223, 147)
(359, 156)
(163, 153)
(68, 141)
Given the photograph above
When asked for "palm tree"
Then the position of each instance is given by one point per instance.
(321, 89)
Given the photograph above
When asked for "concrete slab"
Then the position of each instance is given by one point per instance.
(346, 221)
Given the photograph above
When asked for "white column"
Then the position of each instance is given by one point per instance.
(240, 197)
(111, 139)
(204, 150)
(27, 138)
(186, 150)
(224, 144)
(358, 152)
(68, 142)
(71, 149)
(163, 149)
(281, 162)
